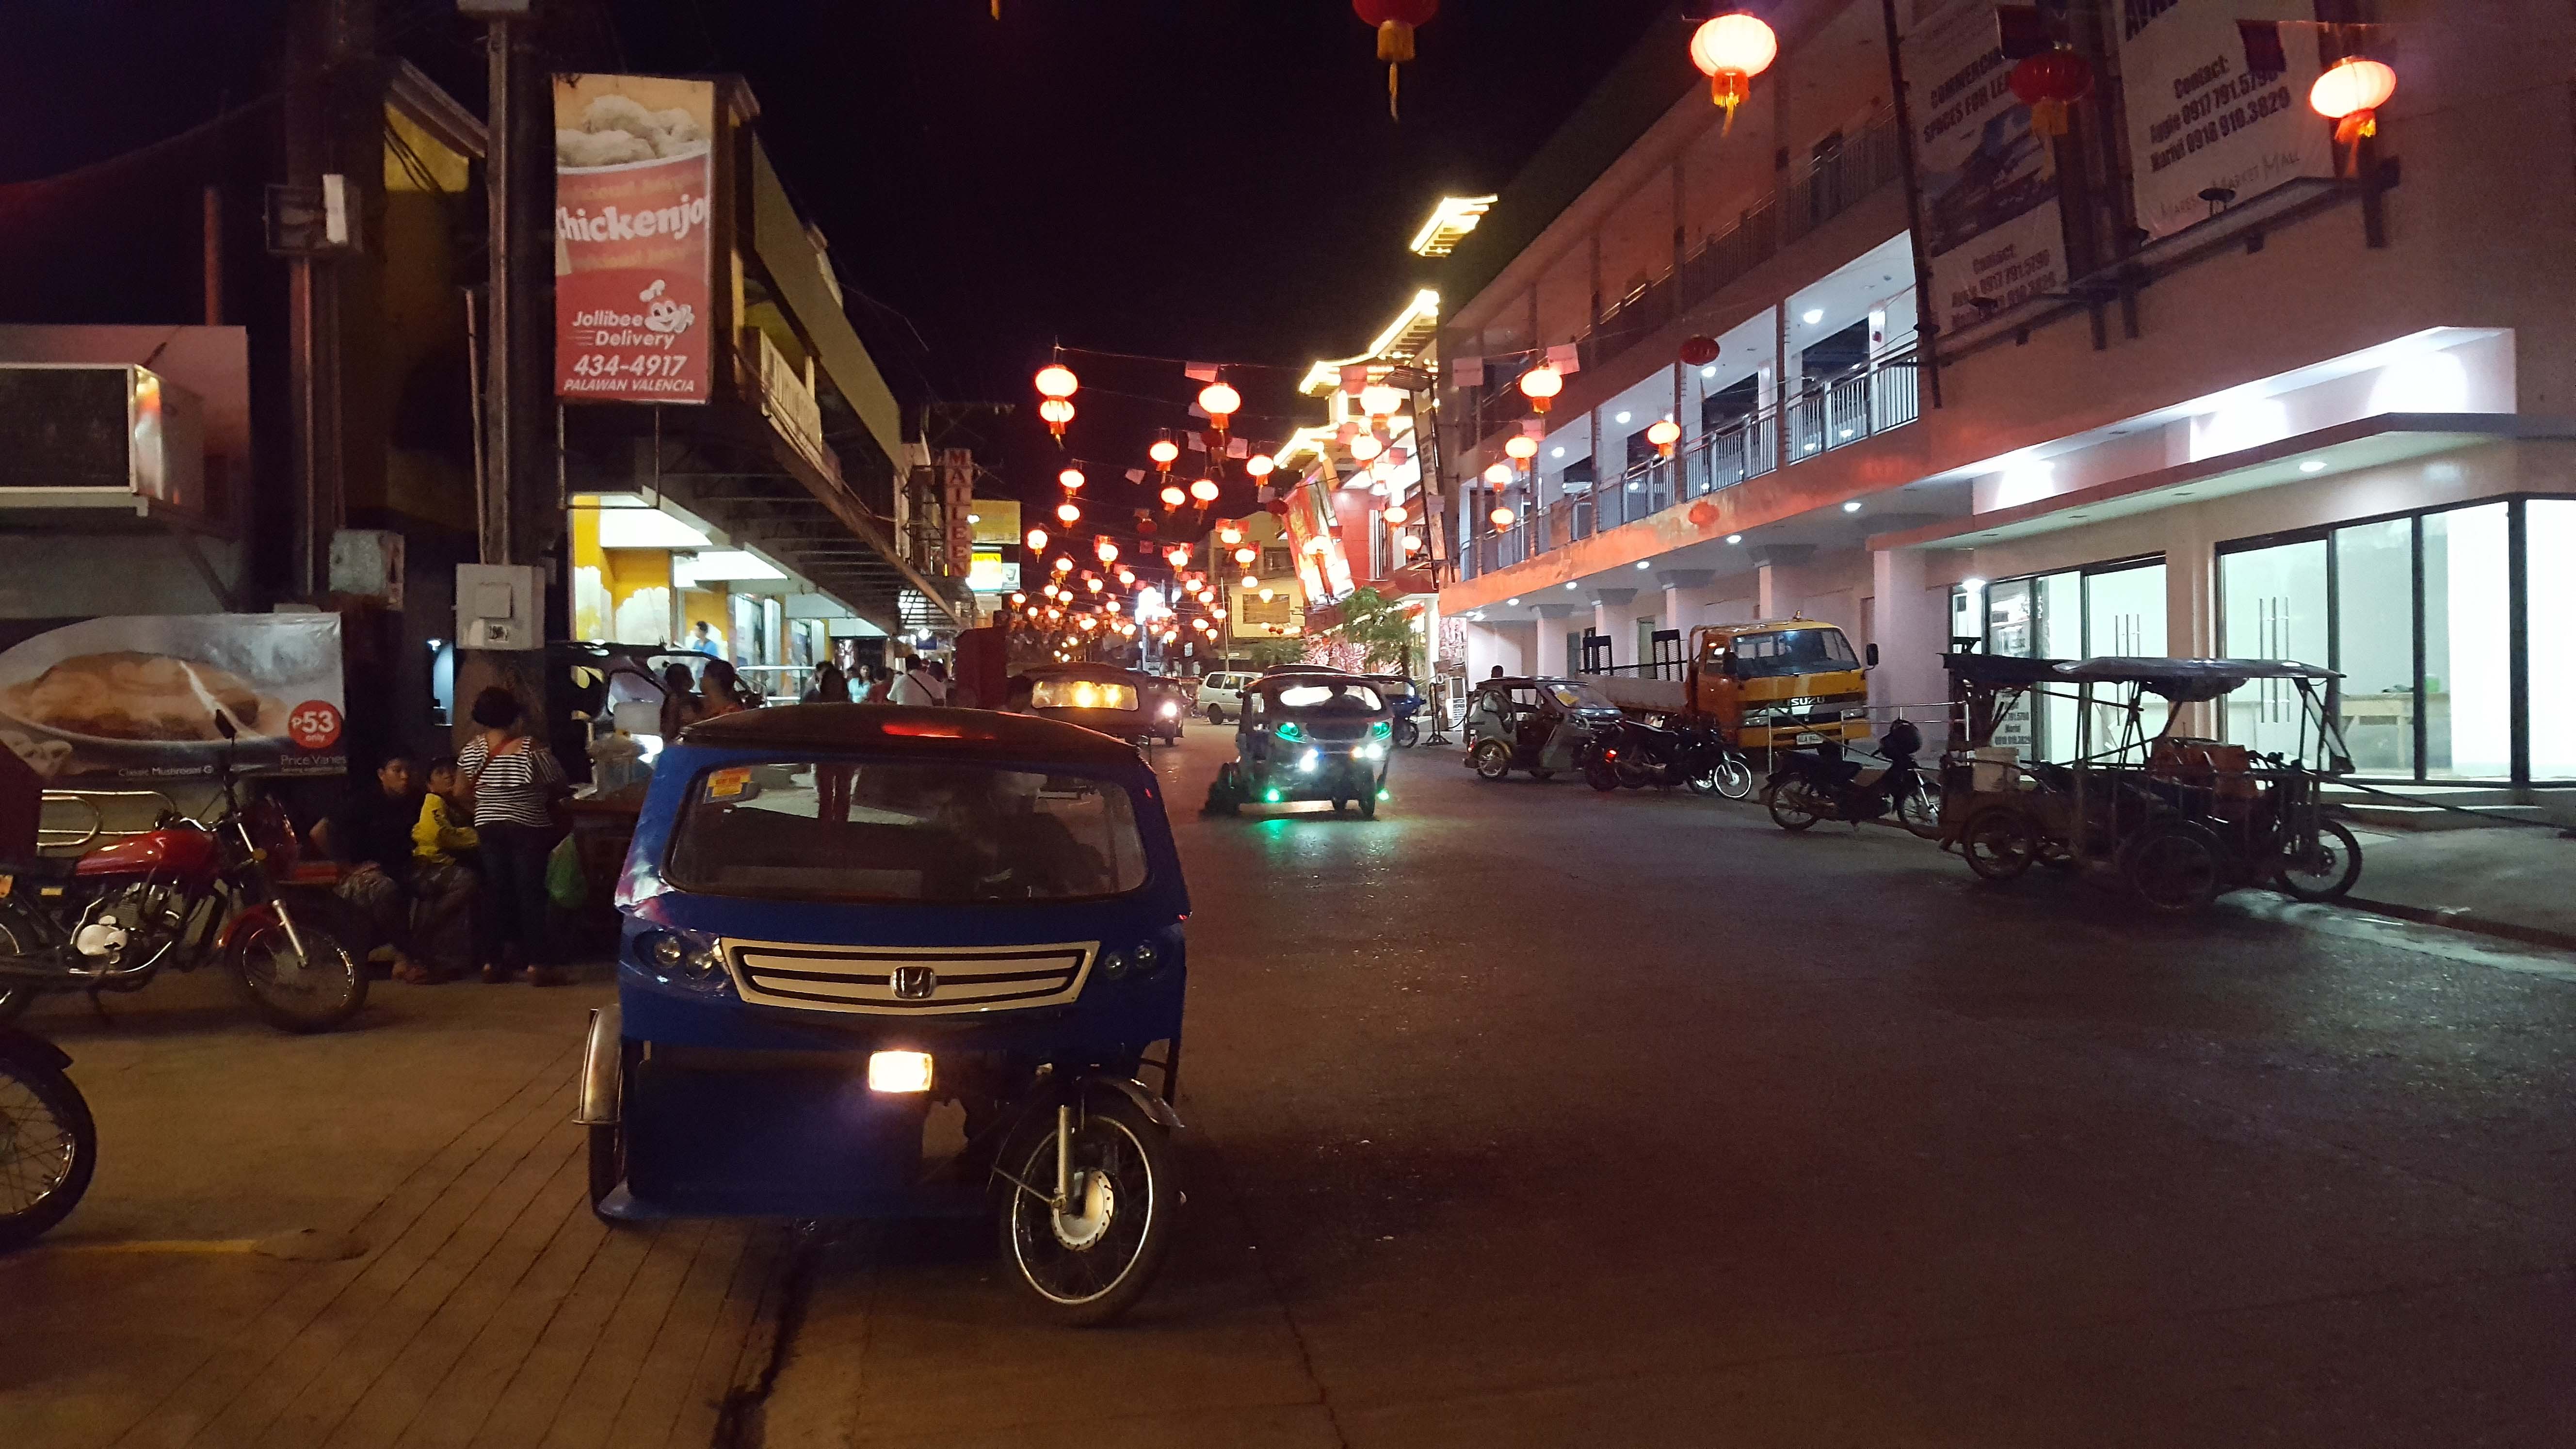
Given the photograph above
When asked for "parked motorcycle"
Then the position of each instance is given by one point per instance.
(172, 899)
(48, 1144)
(1634, 755)
(1812, 785)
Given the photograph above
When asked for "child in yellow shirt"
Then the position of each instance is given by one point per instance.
(445, 888)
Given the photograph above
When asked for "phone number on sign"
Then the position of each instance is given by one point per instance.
(609, 364)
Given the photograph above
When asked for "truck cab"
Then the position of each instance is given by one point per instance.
(1779, 683)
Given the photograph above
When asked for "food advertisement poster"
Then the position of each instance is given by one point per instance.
(1990, 218)
(135, 699)
(2198, 119)
(634, 187)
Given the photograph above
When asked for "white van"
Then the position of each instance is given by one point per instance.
(1220, 696)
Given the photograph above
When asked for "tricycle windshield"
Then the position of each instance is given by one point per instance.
(1792, 651)
(1339, 697)
(1579, 696)
(937, 833)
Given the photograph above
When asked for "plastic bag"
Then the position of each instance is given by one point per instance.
(564, 884)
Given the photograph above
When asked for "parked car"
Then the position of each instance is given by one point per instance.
(1220, 696)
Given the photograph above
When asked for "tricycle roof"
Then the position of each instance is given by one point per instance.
(964, 734)
(2188, 679)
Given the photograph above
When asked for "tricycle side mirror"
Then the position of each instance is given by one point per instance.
(1870, 652)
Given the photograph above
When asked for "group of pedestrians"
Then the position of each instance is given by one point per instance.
(454, 874)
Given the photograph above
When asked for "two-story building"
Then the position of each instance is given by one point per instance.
(2195, 377)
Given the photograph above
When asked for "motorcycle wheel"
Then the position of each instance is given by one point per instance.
(1919, 810)
(1791, 807)
(13, 942)
(1089, 1266)
(1407, 733)
(1600, 774)
(1493, 760)
(313, 992)
(48, 1150)
(2326, 878)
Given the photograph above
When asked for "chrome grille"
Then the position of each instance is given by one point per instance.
(887, 980)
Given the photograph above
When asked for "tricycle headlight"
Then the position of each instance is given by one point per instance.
(681, 955)
(669, 951)
(898, 1071)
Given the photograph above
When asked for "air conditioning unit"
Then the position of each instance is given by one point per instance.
(110, 436)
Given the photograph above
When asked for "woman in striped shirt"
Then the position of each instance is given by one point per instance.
(513, 780)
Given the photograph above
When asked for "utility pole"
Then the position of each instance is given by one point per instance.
(329, 44)
(506, 337)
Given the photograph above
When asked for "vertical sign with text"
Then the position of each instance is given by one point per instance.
(1991, 229)
(634, 186)
(2200, 119)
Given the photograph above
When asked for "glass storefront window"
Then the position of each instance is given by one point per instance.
(2272, 605)
(2375, 643)
(2549, 611)
(2124, 615)
(2468, 704)
(2071, 614)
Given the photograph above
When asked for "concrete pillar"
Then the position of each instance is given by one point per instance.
(1549, 656)
(1505, 642)
(1685, 591)
(1913, 622)
(1776, 592)
(2191, 607)
(1614, 617)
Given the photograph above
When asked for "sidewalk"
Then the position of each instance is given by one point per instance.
(377, 1237)
(2518, 883)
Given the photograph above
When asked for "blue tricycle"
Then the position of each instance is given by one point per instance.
(851, 928)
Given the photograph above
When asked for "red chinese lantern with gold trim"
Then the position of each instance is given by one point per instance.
(2048, 83)
(1731, 50)
(2350, 94)
(1394, 22)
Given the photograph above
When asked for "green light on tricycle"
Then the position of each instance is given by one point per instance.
(1272, 797)
(1384, 795)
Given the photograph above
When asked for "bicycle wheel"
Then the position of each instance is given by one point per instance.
(2327, 874)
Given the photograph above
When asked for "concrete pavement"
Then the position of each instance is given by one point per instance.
(1529, 1116)
(1521, 1115)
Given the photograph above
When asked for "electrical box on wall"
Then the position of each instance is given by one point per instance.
(500, 606)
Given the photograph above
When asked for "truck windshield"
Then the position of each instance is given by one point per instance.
(935, 833)
(1792, 651)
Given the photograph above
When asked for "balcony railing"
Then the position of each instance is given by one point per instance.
(1834, 184)
(1828, 413)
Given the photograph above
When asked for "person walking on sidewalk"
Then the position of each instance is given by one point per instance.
(920, 685)
(513, 779)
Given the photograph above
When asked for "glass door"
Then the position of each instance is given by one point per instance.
(2549, 603)
(2375, 644)
(2273, 604)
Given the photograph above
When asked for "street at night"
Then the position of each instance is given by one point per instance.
(1518, 1115)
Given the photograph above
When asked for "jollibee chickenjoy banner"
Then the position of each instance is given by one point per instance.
(634, 182)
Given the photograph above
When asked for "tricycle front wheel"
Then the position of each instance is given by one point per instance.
(1089, 1259)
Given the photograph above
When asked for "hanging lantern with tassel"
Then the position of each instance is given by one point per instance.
(1731, 50)
(1394, 22)
(2350, 94)
(2048, 83)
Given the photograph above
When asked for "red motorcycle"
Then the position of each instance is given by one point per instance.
(173, 899)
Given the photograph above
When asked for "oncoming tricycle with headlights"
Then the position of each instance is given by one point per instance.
(893, 962)
(1307, 736)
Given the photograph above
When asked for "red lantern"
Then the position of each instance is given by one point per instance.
(1172, 495)
(1163, 452)
(1731, 50)
(1057, 412)
(2048, 83)
(2350, 94)
(1219, 401)
(1394, 20)
(1204, 490)
(1699, 351)
(1664, 434)
(1540, 384)
(1057, 380)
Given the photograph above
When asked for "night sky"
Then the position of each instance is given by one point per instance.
(1203, 179)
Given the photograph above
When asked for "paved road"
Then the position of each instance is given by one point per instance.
(1528, 1116)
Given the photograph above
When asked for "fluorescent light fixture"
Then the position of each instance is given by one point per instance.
(646, 528)
(731, 564)
(2312, 465)
(1852, 507)
(1812, 316)
(1735, 538)
(1513, 600)
(1645, 563)
(1570, 586)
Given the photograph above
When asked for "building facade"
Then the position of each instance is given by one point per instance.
(2194, 378)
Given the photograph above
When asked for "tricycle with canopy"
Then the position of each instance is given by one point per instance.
(2179, 818)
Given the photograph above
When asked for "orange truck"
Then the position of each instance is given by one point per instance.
(1778, 684)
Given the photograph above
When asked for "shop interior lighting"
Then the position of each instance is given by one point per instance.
(646, 528)
(729, 564)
